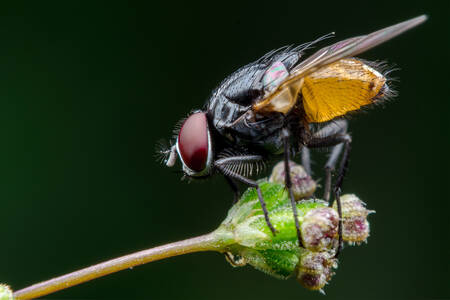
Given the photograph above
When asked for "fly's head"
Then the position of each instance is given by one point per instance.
(193, 146)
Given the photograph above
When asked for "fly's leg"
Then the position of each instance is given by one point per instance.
(329, 168)
(306, 163)
(337, 190)
(335, 134)
(306, 160)
(255, 185)
(221, 165)
(234, 189)
(288, 183)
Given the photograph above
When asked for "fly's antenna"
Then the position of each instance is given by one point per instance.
(166, 154)
(170, 161)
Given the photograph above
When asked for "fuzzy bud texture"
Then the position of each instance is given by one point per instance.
(355, 227)
(303, 186)
(319, 228)
(315, 269)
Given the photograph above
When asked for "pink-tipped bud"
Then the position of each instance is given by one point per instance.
(303, 186)
(315, 269)
(319, 228)
(355, 227)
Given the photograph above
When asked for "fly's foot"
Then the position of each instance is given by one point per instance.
(265, 212)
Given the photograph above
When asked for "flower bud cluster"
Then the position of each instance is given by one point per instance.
(280, 255)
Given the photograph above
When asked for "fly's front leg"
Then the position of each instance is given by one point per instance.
(234, 189)
(288, 183)
(221, 165)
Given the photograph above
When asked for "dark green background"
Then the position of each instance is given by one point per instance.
(87, 90)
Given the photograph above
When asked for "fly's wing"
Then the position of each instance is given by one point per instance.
(283, 98)
(341, 87)
(353, 46)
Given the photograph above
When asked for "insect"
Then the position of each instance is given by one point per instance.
(285, 105)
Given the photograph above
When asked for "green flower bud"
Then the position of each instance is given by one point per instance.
(247, 223)
(246, 239)
(279, 256)
(278, 263)
(303, 186)
(5, 292)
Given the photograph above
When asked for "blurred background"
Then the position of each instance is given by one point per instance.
(88, 88)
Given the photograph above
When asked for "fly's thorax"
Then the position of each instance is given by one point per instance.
(232, 101)
(223, 113)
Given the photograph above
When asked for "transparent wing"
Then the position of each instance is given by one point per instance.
(352, 46)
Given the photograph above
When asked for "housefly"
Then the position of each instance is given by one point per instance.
(283, 104)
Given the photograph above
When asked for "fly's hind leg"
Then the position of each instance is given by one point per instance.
(337, 190)
(288, 183)
(306, 160)
(329, 169)
(335, 134)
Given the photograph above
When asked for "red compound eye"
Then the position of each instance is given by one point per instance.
(193, 142)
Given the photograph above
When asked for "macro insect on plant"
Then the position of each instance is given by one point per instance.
(283, 104)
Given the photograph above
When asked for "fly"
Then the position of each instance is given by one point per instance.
(285, 105)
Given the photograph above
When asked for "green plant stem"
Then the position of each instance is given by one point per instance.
(207, 242)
